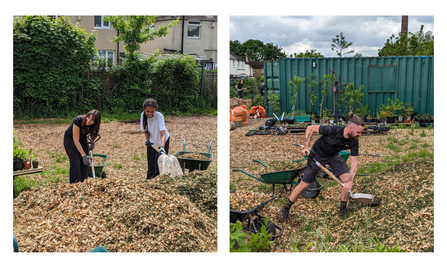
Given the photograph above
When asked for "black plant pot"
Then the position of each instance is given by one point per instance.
(337, 116)
(18, 165)
(391, 120)
(35, 164)
(290, 121)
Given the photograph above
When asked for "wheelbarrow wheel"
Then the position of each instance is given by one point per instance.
(259, 221)
(310, 194)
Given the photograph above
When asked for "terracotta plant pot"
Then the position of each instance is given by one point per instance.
(26, 165)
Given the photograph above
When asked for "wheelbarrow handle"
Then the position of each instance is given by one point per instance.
(251, 175)
(258, 161)
(209, 147)
(184, 143)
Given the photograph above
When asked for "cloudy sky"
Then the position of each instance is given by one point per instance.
(300, 33)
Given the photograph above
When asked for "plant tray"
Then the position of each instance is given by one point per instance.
(302, 118)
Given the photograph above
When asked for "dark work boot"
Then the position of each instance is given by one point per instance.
(344, 210)
(284, 213)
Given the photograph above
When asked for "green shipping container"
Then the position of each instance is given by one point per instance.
(407, 79)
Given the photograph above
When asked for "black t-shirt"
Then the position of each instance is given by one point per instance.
(69, 132)
(332, 142)
(261, 90)
(239, 87)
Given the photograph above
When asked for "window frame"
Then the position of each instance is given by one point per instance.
(194, 23)
(102, 22)
(106, 54)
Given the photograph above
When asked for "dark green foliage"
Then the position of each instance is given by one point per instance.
(134, 78)
(56, 74)
(50, 57)
(409, 44)
(177, 83)
(256, 50)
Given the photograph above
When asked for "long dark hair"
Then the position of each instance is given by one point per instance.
(148, 103)
(93, 129)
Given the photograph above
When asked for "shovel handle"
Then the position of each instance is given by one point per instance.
(156, 149)
(92, 165)
(328, 172)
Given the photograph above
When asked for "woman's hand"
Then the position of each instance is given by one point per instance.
(92, 145)
(86, 159)
(149, 143)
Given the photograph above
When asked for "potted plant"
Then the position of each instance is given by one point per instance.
(312, 117)
(389, 111)
(19, 155)
(369, 118)
(293, 89)
(33, 158)
(408, 110)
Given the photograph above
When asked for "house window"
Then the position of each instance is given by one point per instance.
(108, 55)
(233, 63)
(100, 23)
(194, 29)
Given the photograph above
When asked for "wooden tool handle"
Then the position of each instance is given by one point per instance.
(156, 149)
(328, 172)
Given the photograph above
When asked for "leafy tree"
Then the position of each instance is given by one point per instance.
(256, 50)
(135, 30)
(339, 44)
(134, 75)
(351, 96)
(307, 54)
(409, 44)
(177, 81)
(50, 57)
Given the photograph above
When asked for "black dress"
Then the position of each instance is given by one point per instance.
(78, 171)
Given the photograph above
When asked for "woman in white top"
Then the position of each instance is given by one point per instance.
(152, 123)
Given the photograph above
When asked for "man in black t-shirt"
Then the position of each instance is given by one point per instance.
(326, 151)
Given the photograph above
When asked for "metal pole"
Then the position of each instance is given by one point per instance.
(201, 86)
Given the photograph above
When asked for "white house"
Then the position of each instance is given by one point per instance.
(239, 67)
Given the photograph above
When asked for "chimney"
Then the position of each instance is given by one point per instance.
(404, 24)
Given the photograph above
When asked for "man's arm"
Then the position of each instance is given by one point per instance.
(308, 135)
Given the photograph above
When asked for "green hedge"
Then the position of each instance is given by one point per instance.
(57, 74)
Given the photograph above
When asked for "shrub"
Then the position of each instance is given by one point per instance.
(176, 83)
(50, 57)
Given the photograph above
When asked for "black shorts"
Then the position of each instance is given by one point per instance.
(336, 162)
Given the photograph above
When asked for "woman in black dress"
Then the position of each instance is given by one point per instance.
(76, 146)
